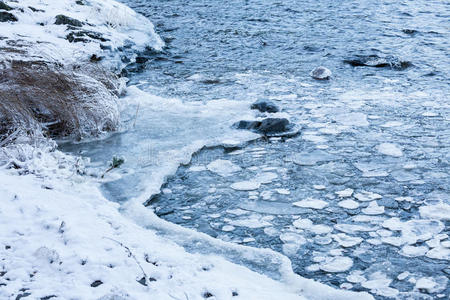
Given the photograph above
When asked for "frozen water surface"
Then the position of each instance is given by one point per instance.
(360, 196)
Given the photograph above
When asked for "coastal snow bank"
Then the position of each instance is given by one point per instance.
(61, 237)
(67, 31)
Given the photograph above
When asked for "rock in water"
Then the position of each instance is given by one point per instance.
(376, 61)
(321, 73)
(266, 126)
(265, 106)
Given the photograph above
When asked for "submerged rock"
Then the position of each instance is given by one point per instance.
(266, 126)
(376, 61)
(321, 73)
(65, 20)
(265, 106)
(7, 17)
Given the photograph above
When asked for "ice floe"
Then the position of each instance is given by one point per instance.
(246, 185)
(223, 167)
(311, 203)
(346, 240)
(336, 264)
(349, 204)
(390, 149)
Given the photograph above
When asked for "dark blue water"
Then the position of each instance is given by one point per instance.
(378, 130)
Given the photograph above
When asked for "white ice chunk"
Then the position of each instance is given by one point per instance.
(373, 209)
(336, 264)
(439, 211)
(319, 187)
(228, 228)
(346, 240)
(392, 124)
(266, 177)
(431, 284)
(246, 185)
(349, 204)
(413, 251)
(390, 149)
(367, 196)
(283, 191)
(223, 167)
(345, 193)
(311, 203)
(303, 223)
(252, 221)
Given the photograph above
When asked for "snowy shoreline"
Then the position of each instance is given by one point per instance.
(61, 238)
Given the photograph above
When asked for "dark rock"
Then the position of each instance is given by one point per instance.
(234, 294)
(207, 295)
(320, 73)
(5, 6)
(80, 36)
(271, 125)
(65, 20)
(141, 59)
(265, 106)
(7, 17)
(95, 58)
(80, 2)
(410, 31)
(376, 61)
(266, 126)
(142, 281)
(23, 295)
(96, 283)
(105, 47)
(48, 297)
(35, 9)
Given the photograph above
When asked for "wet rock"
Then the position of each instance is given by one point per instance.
(266, 126)
(65, 20)
(321, 73)
(376, 61)
(7, 17)
(265, 106)
(5, 6)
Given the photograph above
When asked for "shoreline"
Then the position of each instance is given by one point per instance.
(51, 234)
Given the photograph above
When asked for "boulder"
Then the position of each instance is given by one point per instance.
(266, 126)
(321, 73)
(65, 20)
(265, 106)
